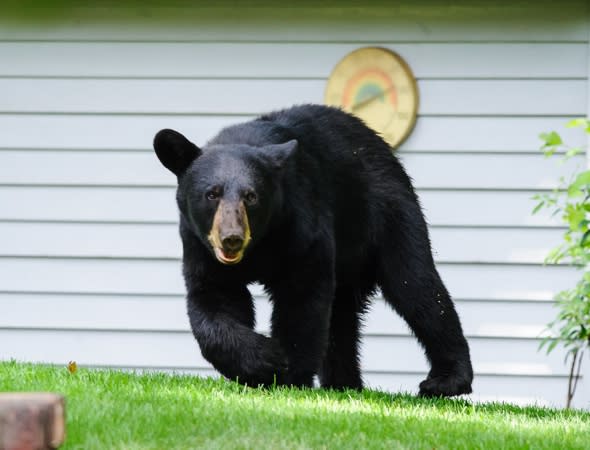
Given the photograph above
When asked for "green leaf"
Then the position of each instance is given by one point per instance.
(583, 179)
(573, 191)
(551, 138)
(574, 218)
(579, 122)
(552, 345)
(538, 207)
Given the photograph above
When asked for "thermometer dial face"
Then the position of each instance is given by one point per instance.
(376, 85)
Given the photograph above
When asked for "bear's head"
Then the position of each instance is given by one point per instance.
(227, 194)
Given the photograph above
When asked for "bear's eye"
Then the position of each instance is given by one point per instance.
(251, 198)
(212, 195)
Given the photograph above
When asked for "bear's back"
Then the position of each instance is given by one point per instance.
(323, 132)
(331, 132)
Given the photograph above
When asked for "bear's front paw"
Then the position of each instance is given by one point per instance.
(266, 365)
(448, 383)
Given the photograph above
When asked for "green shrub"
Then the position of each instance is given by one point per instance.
(571, 201)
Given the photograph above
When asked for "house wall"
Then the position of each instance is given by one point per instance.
(89, 252)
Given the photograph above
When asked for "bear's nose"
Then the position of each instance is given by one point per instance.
(232, 244)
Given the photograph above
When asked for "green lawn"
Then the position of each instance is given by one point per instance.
(109, 409)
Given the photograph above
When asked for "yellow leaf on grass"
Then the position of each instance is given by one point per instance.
(72, 367)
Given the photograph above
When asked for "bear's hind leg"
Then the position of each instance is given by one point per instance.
(411, 284)
(340, 368)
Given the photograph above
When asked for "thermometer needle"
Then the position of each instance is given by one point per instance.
(370, 99)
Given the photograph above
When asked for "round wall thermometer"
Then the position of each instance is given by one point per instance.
(376, 85)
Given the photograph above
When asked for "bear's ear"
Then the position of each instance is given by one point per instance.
(175, 151)
(279, 153)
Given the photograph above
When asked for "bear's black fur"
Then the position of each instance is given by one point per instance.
(312, 204)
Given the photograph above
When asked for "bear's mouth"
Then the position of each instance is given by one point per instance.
(226, 257)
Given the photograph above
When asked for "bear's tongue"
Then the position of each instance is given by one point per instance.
(228, 255)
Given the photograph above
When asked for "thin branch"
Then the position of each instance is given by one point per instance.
(577, 376)
(570, 381)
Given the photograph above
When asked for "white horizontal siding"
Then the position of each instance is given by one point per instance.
(284, 60)
(251, 60)
(89, 251)
(481, 171)
(136, 132)
(250, 97)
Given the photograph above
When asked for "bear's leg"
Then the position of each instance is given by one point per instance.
(411, 284)
(222, 320)
(300, 322)
(341, 366)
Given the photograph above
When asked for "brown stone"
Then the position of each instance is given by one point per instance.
(31, 421)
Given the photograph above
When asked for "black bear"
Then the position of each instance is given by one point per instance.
(312, 204)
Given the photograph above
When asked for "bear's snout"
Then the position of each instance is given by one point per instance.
(230, 232)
